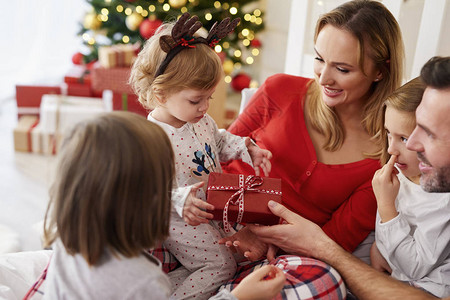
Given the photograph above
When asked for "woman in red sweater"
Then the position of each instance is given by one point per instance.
(321, 131)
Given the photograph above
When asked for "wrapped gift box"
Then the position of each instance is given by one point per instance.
(36, 140)
(128, 102)
(23, 133)
(28, 98)
(255, 192)
(79, 83)
(59, 113)
(114, 79)
(120, 55)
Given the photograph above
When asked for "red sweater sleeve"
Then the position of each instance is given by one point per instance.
(354, 219)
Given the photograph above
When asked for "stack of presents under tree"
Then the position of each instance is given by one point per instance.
(46, 112)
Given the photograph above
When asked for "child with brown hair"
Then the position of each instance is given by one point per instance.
(109, 202)
(177, 73)
(413, 226)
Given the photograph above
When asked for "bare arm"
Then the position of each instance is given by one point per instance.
(303, 237)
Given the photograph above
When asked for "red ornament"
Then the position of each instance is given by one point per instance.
(255, 43)
(240, 82)
(148, 27)
(77, 58)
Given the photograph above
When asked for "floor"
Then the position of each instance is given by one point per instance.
(24, 183)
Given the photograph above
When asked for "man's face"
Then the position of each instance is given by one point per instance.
(431, 140)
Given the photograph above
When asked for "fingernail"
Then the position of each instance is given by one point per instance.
(272, 203)
(235, 244)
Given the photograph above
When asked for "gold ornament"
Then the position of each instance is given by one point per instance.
(228, 66)
(91, 21)
(133, 21)
(177, 3)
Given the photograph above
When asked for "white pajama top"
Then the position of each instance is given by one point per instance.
(416, 243)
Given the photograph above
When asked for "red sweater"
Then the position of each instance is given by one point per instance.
(339, 198)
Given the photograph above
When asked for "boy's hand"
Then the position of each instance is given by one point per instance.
(385, 186)
(260, 157)
(194, 208)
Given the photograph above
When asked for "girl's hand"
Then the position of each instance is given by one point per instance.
(264, 283)
(260, 157)
(377, 260)
(247, 244)
(194, 208)
(385, 187)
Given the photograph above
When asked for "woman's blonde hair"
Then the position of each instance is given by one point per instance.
(405, 99)
(379, 35)
(198, 68)
(112, 189)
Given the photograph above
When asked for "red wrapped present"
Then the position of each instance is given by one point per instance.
(28, 98)
(79, 82)
(78, 74)
(114, 79)
(128, 102)
(241, 198)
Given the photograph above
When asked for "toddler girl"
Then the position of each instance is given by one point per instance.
(413, 226)
(177, 73)
(111, 200)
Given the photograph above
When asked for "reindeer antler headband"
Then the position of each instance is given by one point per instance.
(182, 37)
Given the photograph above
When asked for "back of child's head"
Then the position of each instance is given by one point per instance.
(197, 68)
(404, 99)
(112, 187)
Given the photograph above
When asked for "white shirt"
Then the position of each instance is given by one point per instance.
(416, 243)
(114, 277)
(199, 149)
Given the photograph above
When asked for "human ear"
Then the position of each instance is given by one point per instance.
(378, 76)
(160, 100)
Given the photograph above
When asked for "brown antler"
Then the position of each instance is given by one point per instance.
(183, 27)
(223, 29)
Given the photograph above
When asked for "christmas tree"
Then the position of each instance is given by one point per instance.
(133, 21)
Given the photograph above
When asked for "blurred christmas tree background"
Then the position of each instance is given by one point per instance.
(112, 22)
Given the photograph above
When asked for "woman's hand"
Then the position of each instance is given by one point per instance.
(246, 243)
(194, 208)
(385, 186)
(264, 283)
(377, 260)
(260, 157)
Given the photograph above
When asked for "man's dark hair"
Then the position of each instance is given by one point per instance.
(436, 72)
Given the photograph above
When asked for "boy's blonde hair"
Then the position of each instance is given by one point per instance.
(112, 189)
(405, 99)
(198, 68)
(379, 35)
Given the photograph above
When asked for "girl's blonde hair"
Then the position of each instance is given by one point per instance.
(112, 189)
(379, 35)
(405, 99)
(198, 68)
